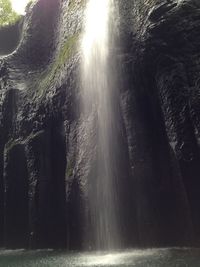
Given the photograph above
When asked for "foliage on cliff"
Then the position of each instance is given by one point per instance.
(7, 15)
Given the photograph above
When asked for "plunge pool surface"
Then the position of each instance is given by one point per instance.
(174, 257)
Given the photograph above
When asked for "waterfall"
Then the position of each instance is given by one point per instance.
(99, 91)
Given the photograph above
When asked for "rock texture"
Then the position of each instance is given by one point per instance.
(10, 37)
(46, 160)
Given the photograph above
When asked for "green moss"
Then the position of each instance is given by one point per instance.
(74, 3)
(69, 170)
(67, 50)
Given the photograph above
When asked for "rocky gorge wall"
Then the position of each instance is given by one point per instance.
(43, 175)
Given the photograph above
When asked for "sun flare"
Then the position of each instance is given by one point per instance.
(19, 6)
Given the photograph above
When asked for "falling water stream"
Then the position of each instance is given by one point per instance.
(99, 90)
(100, 94)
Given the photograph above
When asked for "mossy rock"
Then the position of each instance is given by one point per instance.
(48, 77)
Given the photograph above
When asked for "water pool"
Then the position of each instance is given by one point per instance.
(129, 258)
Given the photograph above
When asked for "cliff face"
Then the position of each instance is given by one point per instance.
(43, 175)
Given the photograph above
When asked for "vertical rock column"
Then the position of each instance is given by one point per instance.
(1, 198)
(46, 165)
(163, 213)
(8, 111)
(174, 91)
(16, 196)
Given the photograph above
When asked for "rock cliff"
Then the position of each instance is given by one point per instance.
(43, 177)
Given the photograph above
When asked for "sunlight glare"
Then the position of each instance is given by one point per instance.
(103, 260)
(96, 26)
(19, 6)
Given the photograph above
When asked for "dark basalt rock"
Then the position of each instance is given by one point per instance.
(16, 196)
(10, 37)
(161, 10)
(43, 178)
(46, 156)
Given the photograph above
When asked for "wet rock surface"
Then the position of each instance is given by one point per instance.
(44, 178)
(10, 37)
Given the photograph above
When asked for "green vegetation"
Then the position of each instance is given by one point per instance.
(73, 4)
(7, 15)
(69, 171)
(66, 51)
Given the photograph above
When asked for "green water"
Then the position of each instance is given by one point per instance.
(129, 258)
